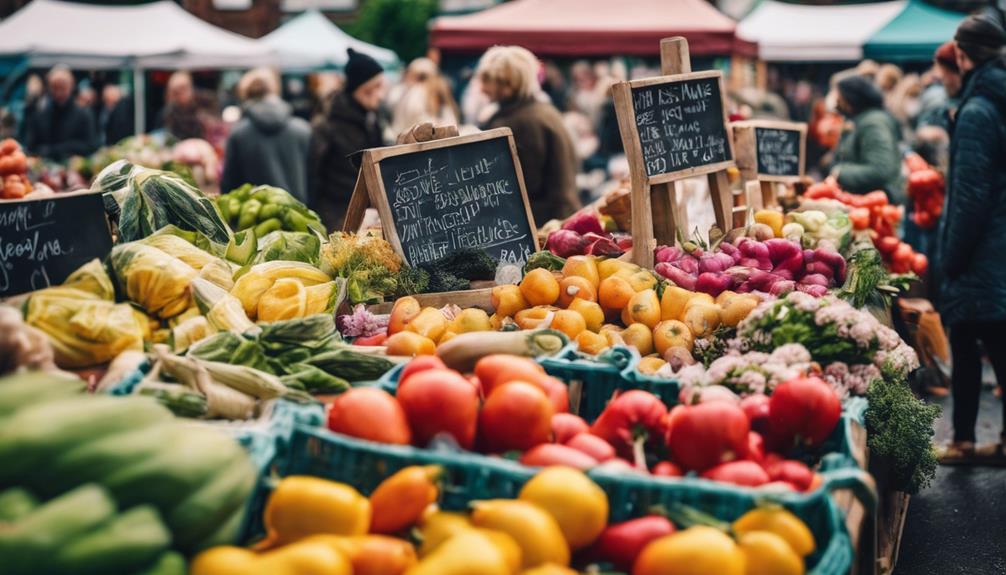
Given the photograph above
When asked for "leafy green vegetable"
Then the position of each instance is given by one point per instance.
(868, 283)
(441, 281)
(469, 264)
(544, 259)
(351, 365)
(315, 380)
(289, 246)
(154, 199)
(411, 281)
(900, 430)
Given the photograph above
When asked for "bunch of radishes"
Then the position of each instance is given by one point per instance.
(776, 266)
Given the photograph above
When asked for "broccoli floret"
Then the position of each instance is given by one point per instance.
(470, 264)
(412, 281)
(441, 281)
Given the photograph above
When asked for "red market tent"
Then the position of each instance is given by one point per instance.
(591, 28)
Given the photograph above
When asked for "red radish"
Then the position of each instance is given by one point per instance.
(566, 243)
(565, 426)
(554, 454)
(756, 409)
(790, 471)
(593, 446)
(584, 222)
(746, 473)
(667, 469)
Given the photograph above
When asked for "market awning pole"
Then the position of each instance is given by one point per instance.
(139, 100)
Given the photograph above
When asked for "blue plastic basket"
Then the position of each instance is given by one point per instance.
(593, 380)
(470, 476)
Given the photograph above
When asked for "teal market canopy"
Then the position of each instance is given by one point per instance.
(313, 39)
(914, 34)
(903, 30)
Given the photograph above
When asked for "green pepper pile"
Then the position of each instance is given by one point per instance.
(267, 209)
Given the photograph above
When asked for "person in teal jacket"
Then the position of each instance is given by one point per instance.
(868, 157)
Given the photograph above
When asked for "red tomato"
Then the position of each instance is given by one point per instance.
(369, 413)
(419, 364)
(756, 409)
(860, 218)
(887, 244)
(914, 162)
(920, 263)
(705, 435)
(875, 199)
(802, 411)
(756, 447)
(517, 416)
(497, 369)
(9, 146)
(746, 473)
(565, 426)
(621, 543)
(557, 392)
(593, 446)
(901, 260)
(554, 454)
(790, 471)
(19, 163)
(371, 340)
(6, 165)
(667, 469)
(923, 219)
(440, 401)
(891, 214)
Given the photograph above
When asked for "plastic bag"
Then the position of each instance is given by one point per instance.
(259, 279)
(158, 282)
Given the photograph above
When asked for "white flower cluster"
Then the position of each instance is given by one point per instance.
(749, 373)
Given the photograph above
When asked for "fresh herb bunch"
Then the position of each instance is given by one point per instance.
(869, 283)
(900, 429)
(368, 262)
(544, 259)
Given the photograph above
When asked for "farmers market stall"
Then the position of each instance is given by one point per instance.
(743, 404)
(312, 36)
(590, 28)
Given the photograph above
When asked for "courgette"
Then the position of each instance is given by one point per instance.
(24, 389)
(350, 365)
(15, 503)
(128, 542)
(182, 401)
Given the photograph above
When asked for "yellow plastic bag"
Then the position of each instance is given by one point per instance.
(155, 280)
(250, 287)
(84, 330)
(286, 299)
(93, 279)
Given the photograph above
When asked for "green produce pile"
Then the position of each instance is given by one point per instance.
(267, 209)
(306, 354)
(100, 484)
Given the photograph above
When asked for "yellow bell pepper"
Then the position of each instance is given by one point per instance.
(371, 554)
(429, 323)
(302, 506)
(549, 569)
(778, 520)
(536, 532)
(473, 551)
(578, 505)
(299, 558)
(439, 526)
(772, 219)
(768, 554)
(697, 550)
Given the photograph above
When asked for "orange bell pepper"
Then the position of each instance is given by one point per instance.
(399, 501)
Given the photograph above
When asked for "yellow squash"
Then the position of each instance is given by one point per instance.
(302, 506)
(536, 532)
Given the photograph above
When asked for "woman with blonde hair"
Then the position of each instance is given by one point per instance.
(509, 77)
(424, 97)
(268, 146)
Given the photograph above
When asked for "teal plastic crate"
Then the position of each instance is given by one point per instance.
(631, 496)
(598, 378)
(471, 476)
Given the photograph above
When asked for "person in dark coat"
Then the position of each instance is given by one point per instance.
(350, 124)
(973, 230)
(61, 128)
(867, 157)
(115, 119)
(181, 116)
(268, 146)
(547, 157)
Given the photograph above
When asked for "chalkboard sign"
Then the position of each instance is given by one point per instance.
(770, 150)
(42, 241)
(455, 193)
(778, 152)
(681, 123)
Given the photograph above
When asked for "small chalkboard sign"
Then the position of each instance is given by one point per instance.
(681, 123)
(444, 195)
(44, 240)
(770, 150)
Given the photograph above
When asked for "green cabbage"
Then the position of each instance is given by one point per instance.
(289, 246)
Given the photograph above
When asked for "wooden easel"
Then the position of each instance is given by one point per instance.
(745, 146)
(654, 216)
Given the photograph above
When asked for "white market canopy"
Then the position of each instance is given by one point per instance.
(800, 33)
(156, 35)
(313, 39)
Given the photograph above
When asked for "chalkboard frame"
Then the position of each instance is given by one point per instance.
(630, 131)
(746, 144)
(12, 297)
(370, 172)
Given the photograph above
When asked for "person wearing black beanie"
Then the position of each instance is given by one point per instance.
(351, 123)
(973, 233)
(867, 157)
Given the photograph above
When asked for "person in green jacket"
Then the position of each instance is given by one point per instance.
(868, 156)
